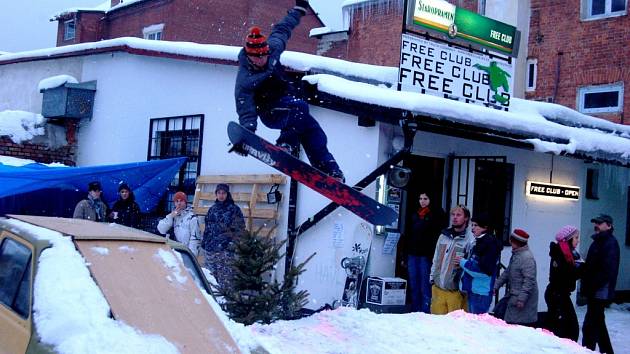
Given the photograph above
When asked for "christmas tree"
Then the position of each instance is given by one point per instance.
(249, 297)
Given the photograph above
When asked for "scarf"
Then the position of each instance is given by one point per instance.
(567, 252)
(422, 212)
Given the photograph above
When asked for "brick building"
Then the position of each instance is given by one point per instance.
(215, 22)
(579, 56)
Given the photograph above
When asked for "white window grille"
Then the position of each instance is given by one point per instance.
(601, 98)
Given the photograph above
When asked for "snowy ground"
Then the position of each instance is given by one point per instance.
(72, 315)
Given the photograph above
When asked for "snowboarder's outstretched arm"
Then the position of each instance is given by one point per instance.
(281, 32)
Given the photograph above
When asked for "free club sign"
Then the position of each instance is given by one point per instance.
(435, 68)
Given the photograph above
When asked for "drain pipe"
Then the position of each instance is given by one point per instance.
(555, 88)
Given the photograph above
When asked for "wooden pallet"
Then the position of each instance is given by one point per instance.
(249, 193)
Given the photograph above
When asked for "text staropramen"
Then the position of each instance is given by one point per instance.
(439, 15)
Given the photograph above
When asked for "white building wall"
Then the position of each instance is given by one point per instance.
(22, 93)
(540, 217)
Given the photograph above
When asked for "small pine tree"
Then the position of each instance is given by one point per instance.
(248, 297)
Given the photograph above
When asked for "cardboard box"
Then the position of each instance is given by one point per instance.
(385, 291)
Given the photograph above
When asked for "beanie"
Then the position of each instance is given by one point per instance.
(566, 233)
(94, 186)
(482, 220)
(122, 186)
(222, 187)
(180, 196)
(256, 43)
(520, 235)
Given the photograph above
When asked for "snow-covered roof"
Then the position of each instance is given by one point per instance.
(103, 7)
(20, 125)
(581, 134)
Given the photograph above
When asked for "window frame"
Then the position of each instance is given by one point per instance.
(26, 272)
(155, 31)
(531, 62)
(156, 151)
(66, 26)
(584, 90)
(587, 5)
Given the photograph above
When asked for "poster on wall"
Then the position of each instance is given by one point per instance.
(435, 68)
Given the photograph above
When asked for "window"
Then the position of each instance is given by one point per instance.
(177, 137)
(153, 32)
(481, 7)
(601, 98)
(15, 276)
(596, 9)
(69, 30)
(532, 73)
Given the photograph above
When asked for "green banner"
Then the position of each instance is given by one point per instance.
(456, 22)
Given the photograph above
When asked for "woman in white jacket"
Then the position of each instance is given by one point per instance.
(184, 223)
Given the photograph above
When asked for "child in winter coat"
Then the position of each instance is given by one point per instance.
(480, 268)
(563, 273)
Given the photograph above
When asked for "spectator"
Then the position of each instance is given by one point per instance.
(563, 273)
(224, 222)
(125, 210)
(426, 225)
(598, 283)
(445, 271)
(184, 223)
(480, 268)
(520, 276)
(92, 208)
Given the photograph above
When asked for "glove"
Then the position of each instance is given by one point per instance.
(239, 149)
(302, 6)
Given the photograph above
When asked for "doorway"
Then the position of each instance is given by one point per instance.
(427, 174)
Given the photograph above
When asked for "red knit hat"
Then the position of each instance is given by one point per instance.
(256, 43)
(180, 196)
(520, 235)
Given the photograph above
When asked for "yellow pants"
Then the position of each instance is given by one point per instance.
(445, 301)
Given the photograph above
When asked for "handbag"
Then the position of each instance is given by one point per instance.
(501, 307)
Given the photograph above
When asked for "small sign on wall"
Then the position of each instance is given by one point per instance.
(553, 190)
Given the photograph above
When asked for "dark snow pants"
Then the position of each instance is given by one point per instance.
(297, 126)
(594, 331)
(561, 317)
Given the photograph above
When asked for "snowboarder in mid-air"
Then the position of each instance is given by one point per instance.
(262, 89)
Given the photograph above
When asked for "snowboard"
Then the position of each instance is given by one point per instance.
(356, 202)
(355, 264)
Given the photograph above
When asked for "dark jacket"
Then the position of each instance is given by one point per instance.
(224, 221)
(480, 269)
(257, 91)
(424, 233)
(562, 274)
(128, 212)
(602, 267)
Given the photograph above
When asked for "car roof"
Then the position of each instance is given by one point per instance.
(81, 229)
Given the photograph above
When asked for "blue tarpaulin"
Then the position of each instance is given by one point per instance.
(37, 189)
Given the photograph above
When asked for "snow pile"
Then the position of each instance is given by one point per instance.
(21, 125)
(70, 312)
(55, 81)
(347, 330)
(14, 161)
(170, 261)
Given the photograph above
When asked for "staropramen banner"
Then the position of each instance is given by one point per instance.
(459, 23)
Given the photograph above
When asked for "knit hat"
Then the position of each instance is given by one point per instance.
(222, 187)
(566, 233)
(122, 186)
(256, 43)
(520, 235)
(482, 220)
(180, 196)
(94, 186)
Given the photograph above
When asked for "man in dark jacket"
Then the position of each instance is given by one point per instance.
(598, 283)
(262, 89)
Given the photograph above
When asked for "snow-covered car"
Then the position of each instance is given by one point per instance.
(70, 286)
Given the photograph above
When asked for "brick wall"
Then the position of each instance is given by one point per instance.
(38, 152)
(593, 52)
(202, 21)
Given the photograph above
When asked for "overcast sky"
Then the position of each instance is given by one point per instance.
(25, 25)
